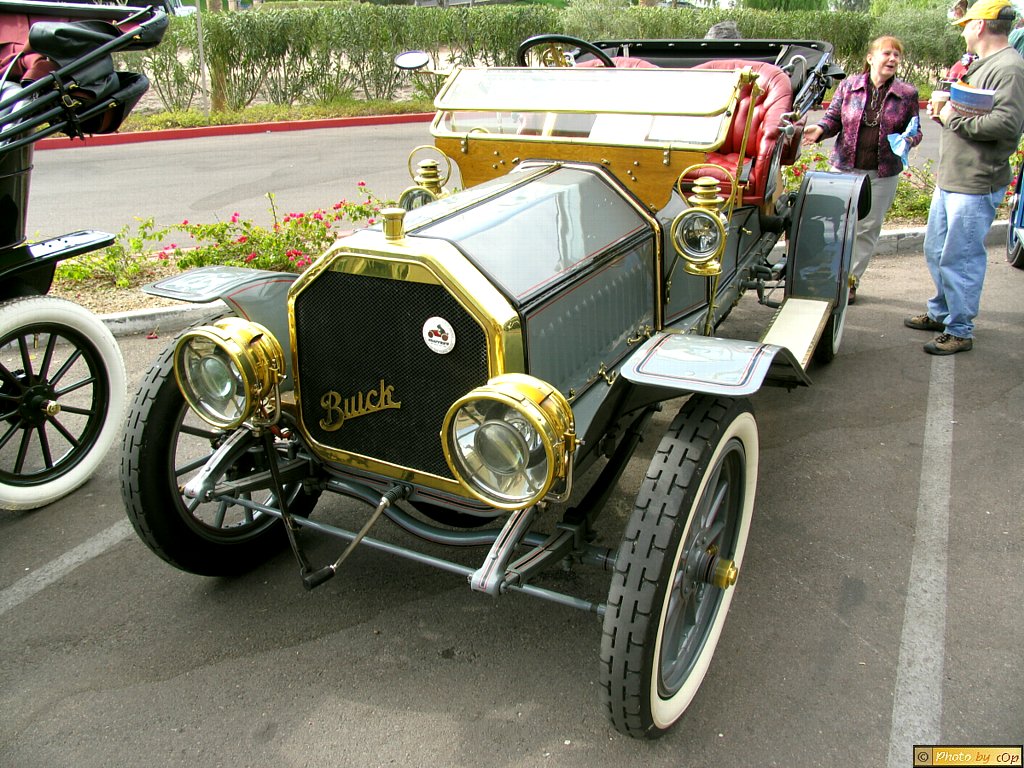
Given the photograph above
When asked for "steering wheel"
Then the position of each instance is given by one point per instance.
(554, 55)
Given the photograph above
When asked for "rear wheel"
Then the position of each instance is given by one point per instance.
(62, 398)
(165, 444)
(832, 337)
(821, 243)
(1014, 248)
(683, 545)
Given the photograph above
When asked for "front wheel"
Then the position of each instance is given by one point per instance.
(680, 553)
(62, 398)
(166, 444)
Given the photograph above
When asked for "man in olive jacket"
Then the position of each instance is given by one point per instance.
(973, 174)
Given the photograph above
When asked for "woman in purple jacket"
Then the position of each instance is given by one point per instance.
(865, 110)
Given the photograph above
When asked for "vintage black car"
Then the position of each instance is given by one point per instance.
(461, 366)
(63, 391)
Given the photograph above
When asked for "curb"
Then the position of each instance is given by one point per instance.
(903, 242)
(166, 320)
(159, 320)
(232, 130)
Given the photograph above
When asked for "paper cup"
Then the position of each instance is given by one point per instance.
(938, 99)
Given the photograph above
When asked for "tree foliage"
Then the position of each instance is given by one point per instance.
(316, 53)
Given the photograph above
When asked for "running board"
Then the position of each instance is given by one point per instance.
(798, 326)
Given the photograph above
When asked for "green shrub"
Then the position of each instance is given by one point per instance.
(913, 192)
(172, 66)
(307, 53)
(123, 264)
(239, 47)
(913, 195)
(290, 244)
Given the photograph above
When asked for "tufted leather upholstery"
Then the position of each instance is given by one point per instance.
(621, 62)
(775, 100)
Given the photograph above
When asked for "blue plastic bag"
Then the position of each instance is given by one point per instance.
(900, 143)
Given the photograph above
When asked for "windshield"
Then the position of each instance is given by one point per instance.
(657, 107)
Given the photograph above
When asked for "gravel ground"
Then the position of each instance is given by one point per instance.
(104, 298)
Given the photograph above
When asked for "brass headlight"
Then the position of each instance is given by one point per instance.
(509, 441)
(226, 369)
(698, 235)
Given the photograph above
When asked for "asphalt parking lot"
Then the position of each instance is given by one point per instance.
(880, 606)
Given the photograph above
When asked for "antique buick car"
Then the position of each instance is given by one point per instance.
(462, 366)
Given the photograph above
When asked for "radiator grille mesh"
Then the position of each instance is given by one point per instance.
(353, 332)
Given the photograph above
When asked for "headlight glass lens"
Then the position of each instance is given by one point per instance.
(506, 441)
(215, 383)
(698, 234)
(492, 443)
(225, 370)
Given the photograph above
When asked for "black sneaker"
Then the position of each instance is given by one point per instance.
(947, 344)
(923, 323)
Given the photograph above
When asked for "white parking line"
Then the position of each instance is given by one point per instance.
(917, 699)
(23, 589)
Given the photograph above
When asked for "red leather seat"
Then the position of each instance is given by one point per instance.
(774, 101)
(620, 62)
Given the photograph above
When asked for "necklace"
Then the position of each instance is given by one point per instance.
(873, 108)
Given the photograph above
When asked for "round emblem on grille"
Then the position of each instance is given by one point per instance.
(439, 335)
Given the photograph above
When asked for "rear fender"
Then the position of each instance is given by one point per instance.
(27, 270)
(253, 294)
(676, 364)
(821, 240)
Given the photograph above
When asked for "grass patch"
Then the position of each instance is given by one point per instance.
(272, 113)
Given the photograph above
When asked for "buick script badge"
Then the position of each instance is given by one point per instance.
(339, 409)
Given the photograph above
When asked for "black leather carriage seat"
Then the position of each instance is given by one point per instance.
(774, 101)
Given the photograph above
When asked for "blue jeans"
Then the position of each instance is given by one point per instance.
(954, 248)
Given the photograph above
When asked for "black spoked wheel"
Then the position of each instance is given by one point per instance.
(551, 50)
(62, 398)
(165, 445)
(680, 554)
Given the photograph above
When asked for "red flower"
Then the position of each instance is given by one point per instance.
(242, 239)
(360, 183)
(251, 256)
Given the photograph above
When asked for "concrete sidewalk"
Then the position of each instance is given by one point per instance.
(167, 320)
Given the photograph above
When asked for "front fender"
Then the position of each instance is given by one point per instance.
(679, 363)
(254, 294)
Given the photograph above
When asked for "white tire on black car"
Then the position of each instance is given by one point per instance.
(62, 398)
(663, 617)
